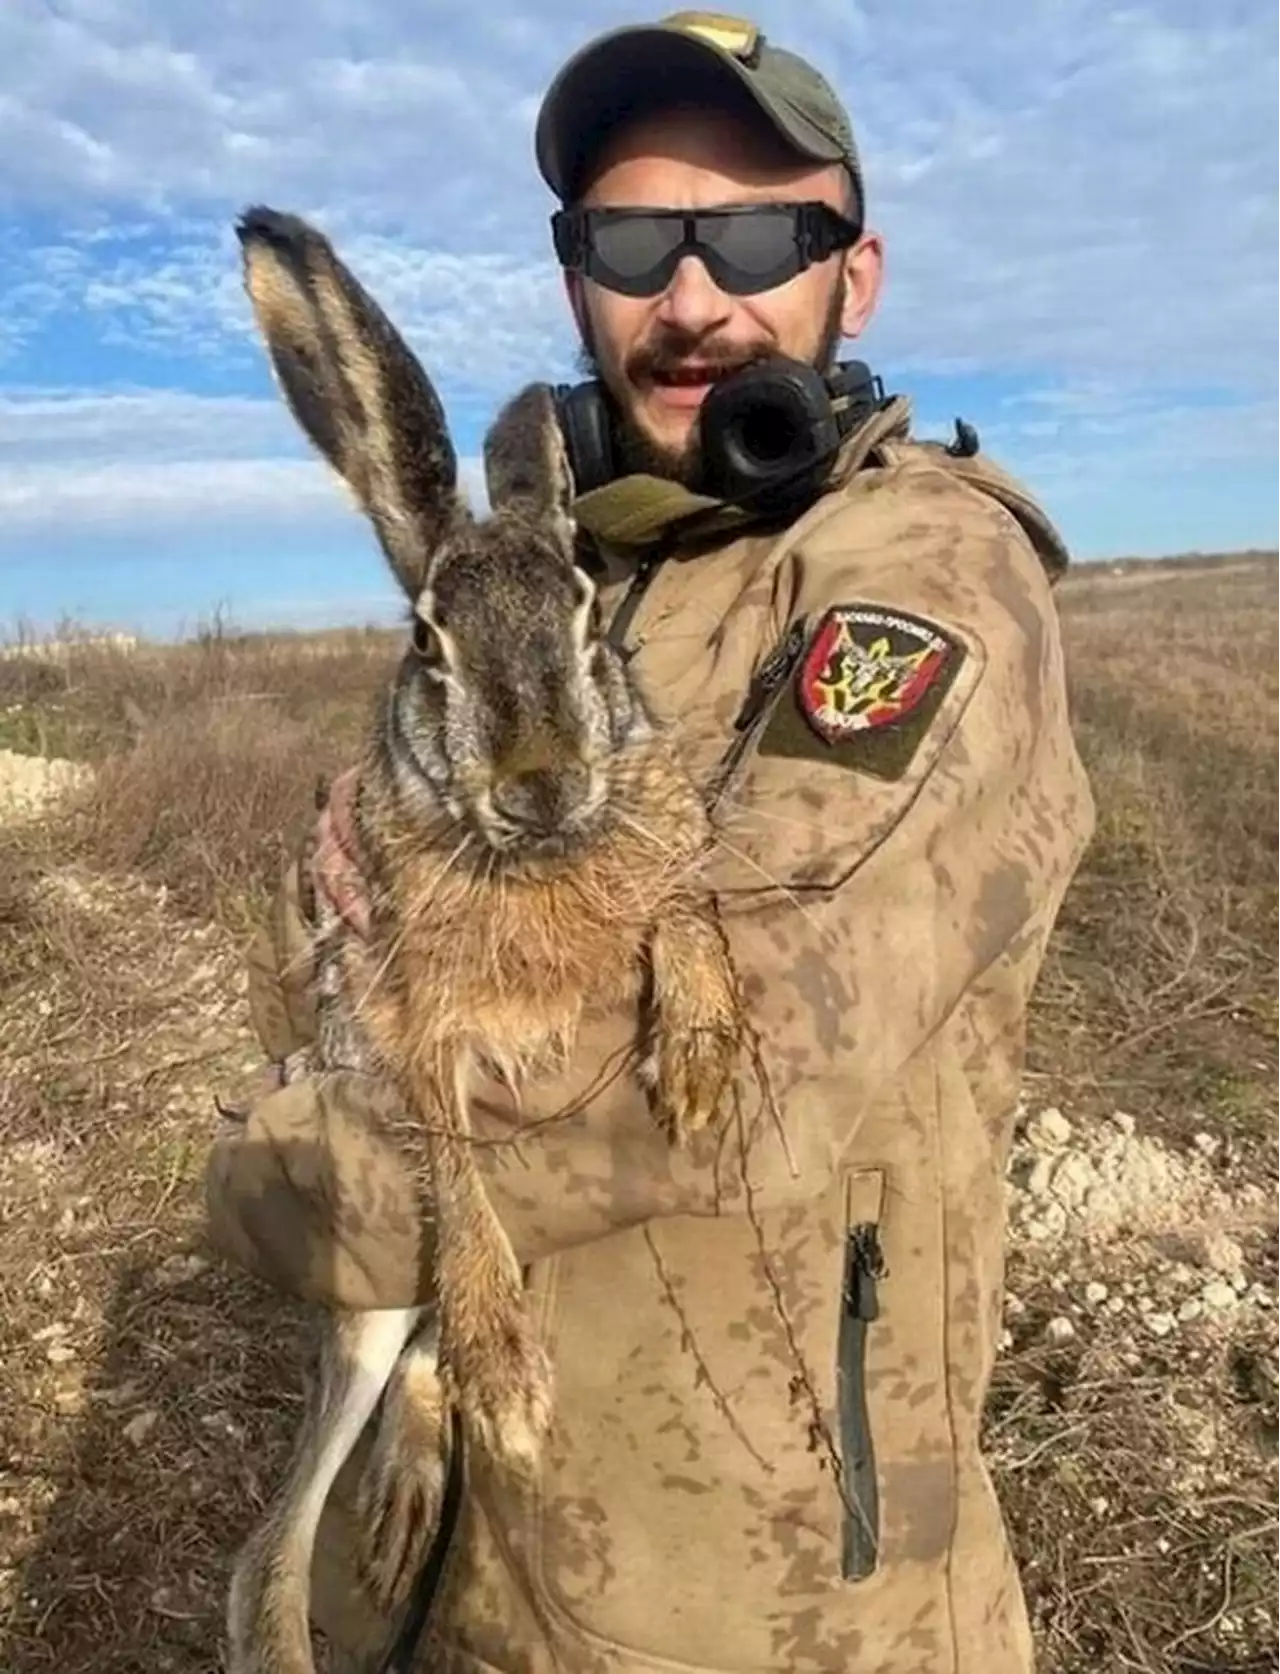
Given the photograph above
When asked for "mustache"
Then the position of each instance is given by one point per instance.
(668, 351)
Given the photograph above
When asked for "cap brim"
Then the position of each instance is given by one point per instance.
(621, 73)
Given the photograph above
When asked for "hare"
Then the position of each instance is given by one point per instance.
(532, 845)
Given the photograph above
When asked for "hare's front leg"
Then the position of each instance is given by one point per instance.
(491, 1364)
(698, 1025)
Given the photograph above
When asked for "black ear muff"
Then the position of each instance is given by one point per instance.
(767, 424)
(586, 425)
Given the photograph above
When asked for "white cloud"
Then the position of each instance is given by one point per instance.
(1076, 198)
(1067, 186)
(162, 459)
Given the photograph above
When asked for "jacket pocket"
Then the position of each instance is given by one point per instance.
(864, 1267)
(804, 814)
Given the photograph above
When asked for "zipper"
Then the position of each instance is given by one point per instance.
(767, 682)
(863, 1268)
(623, 617)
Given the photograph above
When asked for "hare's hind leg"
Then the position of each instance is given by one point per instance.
(698, 1026)
(268, 1608)
(402, 1484)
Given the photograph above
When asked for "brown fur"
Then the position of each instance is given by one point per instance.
(499, 974)
(531, 845)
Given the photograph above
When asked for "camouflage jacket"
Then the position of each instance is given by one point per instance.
(771, 1352)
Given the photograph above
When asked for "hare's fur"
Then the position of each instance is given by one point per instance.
(486, 947)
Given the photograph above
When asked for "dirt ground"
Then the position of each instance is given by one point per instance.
(147, 1393)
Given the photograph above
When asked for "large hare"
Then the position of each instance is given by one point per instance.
(532, 846)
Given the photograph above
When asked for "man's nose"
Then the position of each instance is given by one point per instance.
(693, 301)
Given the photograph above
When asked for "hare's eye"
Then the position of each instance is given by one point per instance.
(426, 642)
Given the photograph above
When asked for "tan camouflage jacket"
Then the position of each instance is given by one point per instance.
(771, 1352)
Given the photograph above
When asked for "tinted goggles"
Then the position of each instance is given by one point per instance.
(745, 248)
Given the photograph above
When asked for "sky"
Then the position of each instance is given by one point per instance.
(1078, 202)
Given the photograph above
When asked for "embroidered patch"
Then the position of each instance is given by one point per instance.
(865, 690)
(868, 668)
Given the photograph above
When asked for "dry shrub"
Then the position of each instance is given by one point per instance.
(208, 803)
(91, 700)
(208, 754)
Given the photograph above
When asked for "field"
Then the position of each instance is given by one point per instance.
(146, 1393)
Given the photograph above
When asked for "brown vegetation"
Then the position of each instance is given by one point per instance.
(146, 1395)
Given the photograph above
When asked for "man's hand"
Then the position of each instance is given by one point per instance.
(335, 865)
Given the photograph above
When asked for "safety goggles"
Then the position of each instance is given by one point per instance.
(745, 248)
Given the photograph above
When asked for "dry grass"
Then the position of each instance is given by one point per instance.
(1139, 1475)
(145, 1397)
(1160, 993)
(209, 755)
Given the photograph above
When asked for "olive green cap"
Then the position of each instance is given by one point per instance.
(618, 73)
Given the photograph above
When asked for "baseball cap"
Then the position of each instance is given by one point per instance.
(618, 73)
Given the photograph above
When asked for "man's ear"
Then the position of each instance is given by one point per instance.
(863, 275)
(575, 292)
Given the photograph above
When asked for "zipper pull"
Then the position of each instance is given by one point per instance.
(771, 674)
(644, 572)
(865, 1267)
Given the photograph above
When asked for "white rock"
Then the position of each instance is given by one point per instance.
(1040, 1178)
(1206, 1144)
(1160, 1324)
(1049, 1130)
(1115, 1305)
(1223, 1254)
(1095, 1292)
(1072, 1179)
(1191, 1309)
(1100, 1506)
(1060, 1330)
(1103, 1204)
(1127, 1124)
(1218, 1294)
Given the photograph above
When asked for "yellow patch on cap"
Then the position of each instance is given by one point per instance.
(734, 35)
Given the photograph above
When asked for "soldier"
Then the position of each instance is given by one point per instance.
(769, 1380)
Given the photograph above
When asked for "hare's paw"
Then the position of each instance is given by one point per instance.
(689, 1072)
(697, 1023)
(505, 1396)
(402, 1485)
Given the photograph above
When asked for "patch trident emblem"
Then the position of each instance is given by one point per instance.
(868, 668)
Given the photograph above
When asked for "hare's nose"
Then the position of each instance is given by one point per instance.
(540, 799)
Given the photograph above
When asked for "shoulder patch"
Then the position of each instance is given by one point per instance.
(865, 690)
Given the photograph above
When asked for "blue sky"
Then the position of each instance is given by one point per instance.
(1079, 203)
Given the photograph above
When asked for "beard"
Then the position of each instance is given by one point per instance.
(635, 451)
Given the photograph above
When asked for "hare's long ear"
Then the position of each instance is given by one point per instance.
(526, 464)
(354, 387)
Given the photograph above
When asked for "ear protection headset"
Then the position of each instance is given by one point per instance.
(766, 432)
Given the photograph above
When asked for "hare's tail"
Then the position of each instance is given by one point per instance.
(268, 1609)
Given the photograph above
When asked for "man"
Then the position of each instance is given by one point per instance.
(770, 1352)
